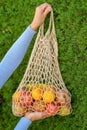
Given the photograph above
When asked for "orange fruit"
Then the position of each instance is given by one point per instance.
(16, 96)
(37, 93)
(48, 96)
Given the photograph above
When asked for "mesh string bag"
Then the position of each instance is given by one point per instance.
(42, 87)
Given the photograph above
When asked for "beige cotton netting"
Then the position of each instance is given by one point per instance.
(42, 87)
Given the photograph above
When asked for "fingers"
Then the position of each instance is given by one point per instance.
(46, 8)
(43, 6)
(37, 115)
(40, 15)
(45, 114)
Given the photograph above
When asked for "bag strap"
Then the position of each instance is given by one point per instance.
(41, 30)
(51, 27)
(51, 31)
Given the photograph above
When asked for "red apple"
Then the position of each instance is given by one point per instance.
(52, 108)
(26, 99)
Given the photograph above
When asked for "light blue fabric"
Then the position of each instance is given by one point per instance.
(23, 124)
(11, 61)
(15, 55)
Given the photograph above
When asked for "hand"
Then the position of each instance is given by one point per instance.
(36, 115)
(40, 15)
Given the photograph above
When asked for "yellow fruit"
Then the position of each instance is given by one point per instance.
(19, 111)
(37, 93)
(41, 86)
(29, 87)
(16, 96)
(65, 110)
(48, 96)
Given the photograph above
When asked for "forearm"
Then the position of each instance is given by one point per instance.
(15, 55)
(23, 124)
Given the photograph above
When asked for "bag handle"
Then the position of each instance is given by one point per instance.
(51, 31)
(51, 26)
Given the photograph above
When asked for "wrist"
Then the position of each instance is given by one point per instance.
(33, 26)
(29, 116)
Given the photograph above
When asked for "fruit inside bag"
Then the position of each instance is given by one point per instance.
(41, 97)
(42, 87)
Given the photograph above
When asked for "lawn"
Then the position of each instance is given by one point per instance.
(71, 29)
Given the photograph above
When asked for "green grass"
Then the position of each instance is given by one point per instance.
(71, 29)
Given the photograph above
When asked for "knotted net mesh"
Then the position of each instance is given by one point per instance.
(42, 87)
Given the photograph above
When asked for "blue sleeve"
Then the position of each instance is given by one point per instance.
(15, 55)
(23, 124)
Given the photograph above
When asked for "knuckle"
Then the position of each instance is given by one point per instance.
(38, 8)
